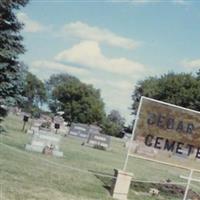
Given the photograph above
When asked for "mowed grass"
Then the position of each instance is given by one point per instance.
(33, 176)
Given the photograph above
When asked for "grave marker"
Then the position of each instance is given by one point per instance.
(99, 140)
(59, 120)
(43, 140)
(93, 129)
(79, 130)
(36, 125)
(83, 130)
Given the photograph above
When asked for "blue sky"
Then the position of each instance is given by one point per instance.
(111, 44)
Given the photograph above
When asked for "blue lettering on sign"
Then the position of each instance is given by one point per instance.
(165, 122)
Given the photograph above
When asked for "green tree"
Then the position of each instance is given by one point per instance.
(10, 48)
(115, 116)
(3, 112)
(114, 124)
(80, 102)
(180, 89)
(35, 93)
(57, 79)
(52, 83)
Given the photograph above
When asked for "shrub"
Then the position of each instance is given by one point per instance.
(97, 146)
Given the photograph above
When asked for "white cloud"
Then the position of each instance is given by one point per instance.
(88, 54)
(85, 32)
(180, 2)
(121, 86)
(30, 25)
(144, 1)
(195, 64)
(79, 30)
(45, 66)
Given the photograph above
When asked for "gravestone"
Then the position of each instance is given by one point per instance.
(40, 124)
(79, 130)
(45, 140)
(99, 140)
(35, 126)
(59, 120)
(93, 129)
(83, 130)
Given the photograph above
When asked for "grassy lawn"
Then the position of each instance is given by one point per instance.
(33, 176)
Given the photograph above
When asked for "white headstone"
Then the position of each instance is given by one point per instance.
(42, 140)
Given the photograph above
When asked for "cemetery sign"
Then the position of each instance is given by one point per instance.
(167, 128)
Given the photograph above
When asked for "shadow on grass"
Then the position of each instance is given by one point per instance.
(105, 179)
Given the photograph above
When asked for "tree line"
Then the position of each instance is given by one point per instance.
(80, 102)
(182, 89)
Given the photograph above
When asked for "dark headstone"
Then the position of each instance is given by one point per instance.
(99, 140)
(58, 120)
(79, 130)
(93, 129)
